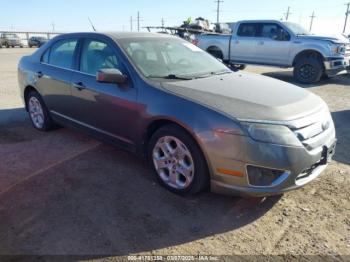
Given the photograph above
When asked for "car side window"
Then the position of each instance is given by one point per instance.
(97, 55)
(274, 31)
(62, 53)
(248, 30)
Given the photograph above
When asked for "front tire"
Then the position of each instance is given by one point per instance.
(308, 70)
(177, 161)
(38, 113)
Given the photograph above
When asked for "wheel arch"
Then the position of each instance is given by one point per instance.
(309, 53)
(26, 92)
(215, 48)
(161, 122)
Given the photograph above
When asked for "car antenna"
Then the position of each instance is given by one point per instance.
(92, 24)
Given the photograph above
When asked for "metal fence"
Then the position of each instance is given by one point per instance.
(24, 36)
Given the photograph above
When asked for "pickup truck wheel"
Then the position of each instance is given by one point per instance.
(216, 53)
(308, 70)
(177, 161)
(38, 113)
(238, 67)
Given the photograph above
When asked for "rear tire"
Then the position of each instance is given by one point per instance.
(216, 53)
(308, 70)
(38, 112)
(177, 161)
(238, 66)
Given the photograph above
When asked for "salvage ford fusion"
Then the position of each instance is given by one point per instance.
(199, 124)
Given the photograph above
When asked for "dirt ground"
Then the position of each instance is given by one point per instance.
(65, 193)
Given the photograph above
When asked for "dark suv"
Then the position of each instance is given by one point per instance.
(36, 41)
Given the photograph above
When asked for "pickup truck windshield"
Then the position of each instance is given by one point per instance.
(171, 58)
(296, 28)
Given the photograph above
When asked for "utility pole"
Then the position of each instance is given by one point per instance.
(131, 23)
(346, 16)
(163, 23)
(288, 13)
(53, 26)
(138, 21)
(218, 10)
(312, 19)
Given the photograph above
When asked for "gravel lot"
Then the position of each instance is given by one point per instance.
(65, 193)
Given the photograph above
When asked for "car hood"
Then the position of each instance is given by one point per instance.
(333, 39)
(249, 96)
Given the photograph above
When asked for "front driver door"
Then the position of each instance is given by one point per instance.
(106, 108)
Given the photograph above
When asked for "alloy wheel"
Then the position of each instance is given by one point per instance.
(173, 162)
(36, 112)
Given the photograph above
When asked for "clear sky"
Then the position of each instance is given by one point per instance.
(107, 15)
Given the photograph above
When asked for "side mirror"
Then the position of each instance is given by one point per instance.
(111, 75)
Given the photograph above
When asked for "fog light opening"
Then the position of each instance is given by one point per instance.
(259, 176)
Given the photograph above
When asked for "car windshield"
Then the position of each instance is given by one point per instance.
(296, 28)
(171, 58)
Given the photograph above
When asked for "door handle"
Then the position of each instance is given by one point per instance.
(261, 43)
(39, 74)
(237, 42)
(80, 86)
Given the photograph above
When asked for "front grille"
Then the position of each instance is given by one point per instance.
(314, 132)
(347, 50)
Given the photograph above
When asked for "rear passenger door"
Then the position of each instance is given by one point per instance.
(109, 109)
(54, 75)
(243, 45)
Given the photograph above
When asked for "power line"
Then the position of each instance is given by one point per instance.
(346, 16)
(218, 10)
(312, 19)
(288, 13)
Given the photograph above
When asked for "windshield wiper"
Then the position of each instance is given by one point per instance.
(222, 72)
(171, 76)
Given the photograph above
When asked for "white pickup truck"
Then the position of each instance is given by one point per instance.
(281, 44)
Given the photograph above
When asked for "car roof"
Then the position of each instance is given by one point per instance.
(118, 35)
(260, 21)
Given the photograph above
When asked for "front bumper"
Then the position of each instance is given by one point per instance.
(301, 166)
(336, 65)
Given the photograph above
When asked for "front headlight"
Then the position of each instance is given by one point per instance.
(337, 49)
(275, 134)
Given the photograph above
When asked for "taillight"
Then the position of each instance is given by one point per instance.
(195, 42)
